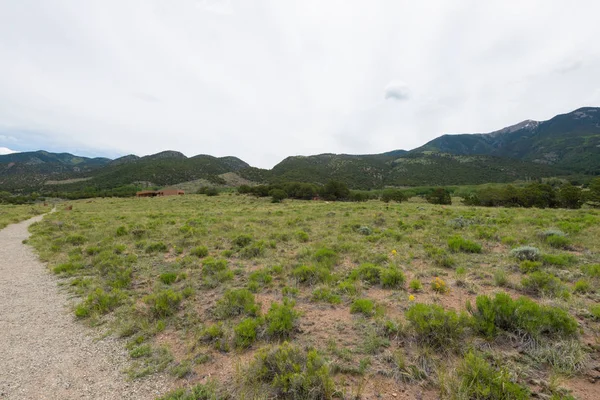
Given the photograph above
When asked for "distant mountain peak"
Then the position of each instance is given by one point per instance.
(165, 154)
(527, 124)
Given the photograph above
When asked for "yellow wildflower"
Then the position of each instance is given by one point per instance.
(411, 298)
(394, 252)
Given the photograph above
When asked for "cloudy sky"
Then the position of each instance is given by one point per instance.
(262, 80)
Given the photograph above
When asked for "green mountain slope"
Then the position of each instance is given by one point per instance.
(569, 141)
(31, 169)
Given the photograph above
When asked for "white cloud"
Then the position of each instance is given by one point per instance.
(6, 150)
(266, 79)
(397, 90)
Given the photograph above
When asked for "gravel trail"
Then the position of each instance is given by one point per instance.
(44, 352)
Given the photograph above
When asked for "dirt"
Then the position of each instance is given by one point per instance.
(44, 352)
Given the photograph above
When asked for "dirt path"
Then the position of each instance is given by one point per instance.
(44, 352)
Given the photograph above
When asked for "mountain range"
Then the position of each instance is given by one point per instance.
(568, 144)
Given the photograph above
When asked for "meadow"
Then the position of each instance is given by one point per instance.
(11, 214)
(237, 297)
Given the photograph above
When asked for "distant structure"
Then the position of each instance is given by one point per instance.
(164, 192)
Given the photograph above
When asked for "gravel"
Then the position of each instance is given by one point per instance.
(44, 352)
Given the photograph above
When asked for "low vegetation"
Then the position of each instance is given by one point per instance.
(322, 300)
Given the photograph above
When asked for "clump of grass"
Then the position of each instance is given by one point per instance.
(68, 268)
(363, 306)
(281, 320)
(163, 303)
(158, 247)
(477, 379)
(595, 311)
(388, 277)
(501, 278)
(208, 391)
(366, 272)
(527, 266)
(246, 332)
(567, 357)
(521, 316)
(99, 302)
(168, 277)
(592, 271)
(256, 249)
(392, 278)
(526, 253)
(199, 251)
(415, 285)
(325, 294)
(326, 257)
(348, 287)
(302, 236)
(242, 241)
(236, 302)
(559, 259)
(459, 244)
(215, 271)
(558, 242)
(287, 372)
(543, 283)
(582, 286)
(311, 275)
(435, 326)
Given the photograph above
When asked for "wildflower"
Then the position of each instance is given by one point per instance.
(411, 298)
(394, 252)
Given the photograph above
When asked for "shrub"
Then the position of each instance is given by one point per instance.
(242, 241)
(257, 249)
(364, 230)
(558, 242)
(593, 271)
(477, 379)
(363, 306)
(500, 278)
(393, 195)
(526, 253)
(348, 287)
(392, 278)
(201, 391)
(76, 239)
(436, 327)
(277, 195)
(367, 272)
(325, 294)
(99, 302)
(527, 266)
(236, 302)
(559, 259)
(302, 236)
(164, 303)
(415, 285)
(326, 257)
(459, 244)
(543, 283)
(158, 247)
(199, 251)
(582, 286)
(595, 311)
(168, 277)
(122, 231)
(281, 320)
(521, 315)
(439, 196)
(287, 372)
(245, 332)
(215, 271)
(438, 285)
(311, 275)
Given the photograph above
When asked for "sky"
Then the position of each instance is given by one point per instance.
(263, 80)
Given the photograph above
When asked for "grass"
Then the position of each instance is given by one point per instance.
(198, 285)
(11, 214)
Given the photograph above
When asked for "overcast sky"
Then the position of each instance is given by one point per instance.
(263, 80)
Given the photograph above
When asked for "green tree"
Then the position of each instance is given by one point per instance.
(277, 195)
(335, 190)
(570, 196)
(439, 196)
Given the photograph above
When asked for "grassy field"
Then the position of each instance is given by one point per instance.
(241, 298)
(11, 214)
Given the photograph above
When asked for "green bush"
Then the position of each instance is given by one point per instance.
(325, 294)
(277, 195)
(256, 249)
(527, 266)
(459, 244)
(287, 372)
(369, 273)
(543, 283)
(242, 241)
(477, 379)
(67, 268)
(326, 257)
(99, 302)
(363, 306)
(168, 277)
(439, 196)
(201, 391)
(158, 247)
(246, 331)
(415, 285)
(236, 302)
(302, 236)
(200, 251)
(582, 286)
(311, 275)
(559, 259)
(164, 303)
(393, 195)
(435, 326)
(281, 320)
(215, 271)
(558, 242)
(595, 311)
(593, 271)
(392, 278)
(521, 316)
